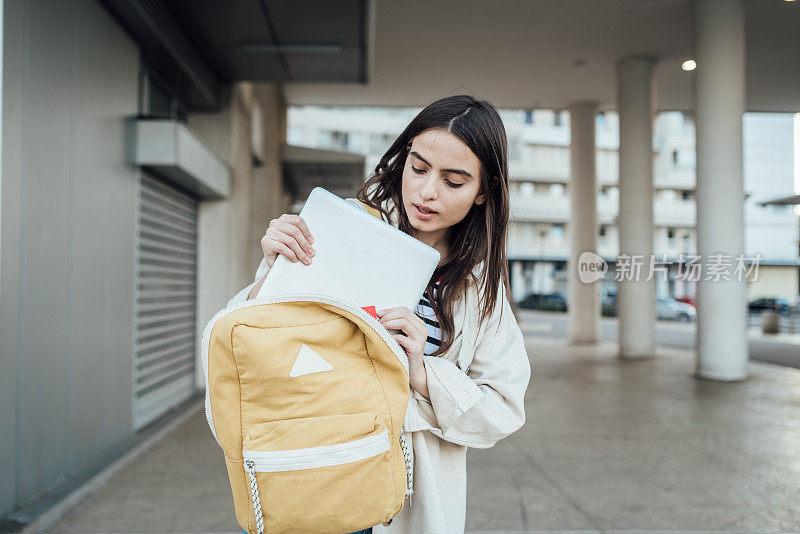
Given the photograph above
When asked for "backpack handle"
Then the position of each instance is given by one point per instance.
(371, 210)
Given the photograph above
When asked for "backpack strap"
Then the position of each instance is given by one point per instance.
(371, 210)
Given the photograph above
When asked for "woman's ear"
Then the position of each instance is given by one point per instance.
(481, 197)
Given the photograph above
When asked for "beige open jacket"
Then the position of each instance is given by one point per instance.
(477, 391)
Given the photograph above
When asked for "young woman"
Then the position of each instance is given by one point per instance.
(445, 182)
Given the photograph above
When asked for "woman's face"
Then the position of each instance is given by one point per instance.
(442, 174)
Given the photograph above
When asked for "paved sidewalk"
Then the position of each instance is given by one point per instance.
(781, 337)
(608, 446)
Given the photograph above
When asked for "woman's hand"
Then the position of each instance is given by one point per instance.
(287, 235)
(412, 339)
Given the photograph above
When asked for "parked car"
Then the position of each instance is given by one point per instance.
(687, 300)
(608, 303)
(544, 301)
(671, 309)
(778, 305)
(553, 301)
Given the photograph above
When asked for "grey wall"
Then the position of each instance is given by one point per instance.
(67, 230)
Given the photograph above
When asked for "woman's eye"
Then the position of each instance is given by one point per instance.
(453, 185)
(418, 171)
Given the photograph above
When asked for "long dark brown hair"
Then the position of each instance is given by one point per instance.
(482, 234)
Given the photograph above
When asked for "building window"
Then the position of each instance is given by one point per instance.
(549, 157)
(557, 231)
(557, 119)
(339, 139)
(379, 143)
(674, 158)
(528, 116)
(527, 189)
(514, 149)
(157, 101)
(333, 139)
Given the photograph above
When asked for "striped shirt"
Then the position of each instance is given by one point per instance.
(425, 312)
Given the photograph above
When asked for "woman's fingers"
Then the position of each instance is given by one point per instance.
(404, 319)
(295, 226)
(402, 341)
(281, 248)
(300, 223)
(290, 235)
(289, 242)
(411, 329)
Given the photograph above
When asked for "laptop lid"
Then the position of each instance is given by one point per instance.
(359, 258)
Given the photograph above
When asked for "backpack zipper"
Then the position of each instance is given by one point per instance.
(313, 297)
(315, 457)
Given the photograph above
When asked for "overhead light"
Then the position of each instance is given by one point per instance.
(308, 48)
(689, 64)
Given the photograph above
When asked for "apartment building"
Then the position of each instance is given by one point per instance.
(539, 166)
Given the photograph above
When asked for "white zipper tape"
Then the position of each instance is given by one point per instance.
(314, 297)
(315, 457)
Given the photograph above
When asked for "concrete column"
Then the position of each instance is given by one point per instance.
(517, 281)
(229, 230)
(267, 200)
(583, 300)
(720, 102)
(636, 295)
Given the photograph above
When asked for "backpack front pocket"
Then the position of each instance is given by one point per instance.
(321, 474)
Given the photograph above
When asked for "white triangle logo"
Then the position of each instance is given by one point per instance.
(308, 362)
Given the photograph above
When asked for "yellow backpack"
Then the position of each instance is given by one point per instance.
(306, 396)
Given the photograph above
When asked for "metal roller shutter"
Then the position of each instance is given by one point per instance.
(165, 292)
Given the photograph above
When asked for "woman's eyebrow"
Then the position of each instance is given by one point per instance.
(456, 171)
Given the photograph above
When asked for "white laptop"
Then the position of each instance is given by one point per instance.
(359, 258)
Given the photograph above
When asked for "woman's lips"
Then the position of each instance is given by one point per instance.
(421, 214)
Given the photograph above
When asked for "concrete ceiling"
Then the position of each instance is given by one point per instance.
(341, 173)
(218, 29)
(549, 53)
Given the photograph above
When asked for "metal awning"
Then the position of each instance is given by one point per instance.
(173, 151)
(785, 201)
(341, 173)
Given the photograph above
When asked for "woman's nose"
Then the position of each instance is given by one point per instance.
(429, 187)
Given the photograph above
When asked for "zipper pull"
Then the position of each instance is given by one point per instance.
(250, 466)
(409, 467)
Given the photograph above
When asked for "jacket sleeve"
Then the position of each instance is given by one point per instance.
(241, 296)
(486, 403)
